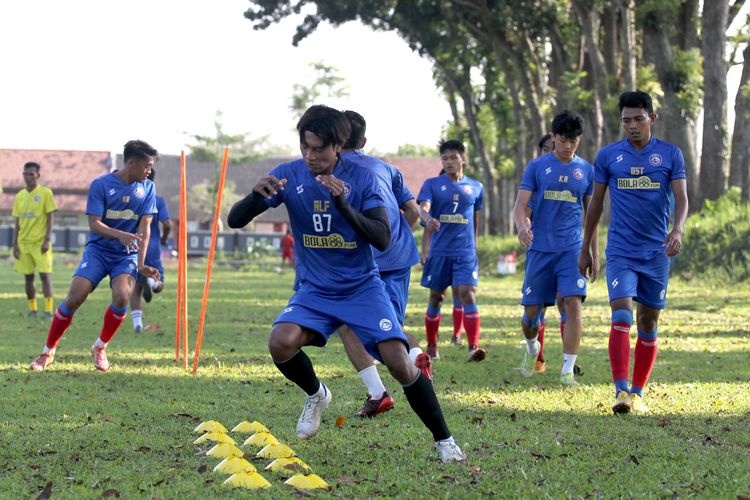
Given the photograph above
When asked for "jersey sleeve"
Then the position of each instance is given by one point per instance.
(49, 202)
(371, 195)
(400, 190)
(479, 202)
(149, 204)
(16, 212)
(95, 200)
(678, 165)
(601, 170)
(161, 207)
(528, 181)
(425, 193)
(590, 179)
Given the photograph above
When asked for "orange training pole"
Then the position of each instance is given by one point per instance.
(183, 250)
(207, 284)
(180, 257)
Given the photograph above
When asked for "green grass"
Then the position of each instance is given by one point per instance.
(130, 430)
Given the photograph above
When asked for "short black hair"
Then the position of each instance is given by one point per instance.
(568, 124)
(32, 164)
(453, 144)
(546, 137)
(325, 122)
(636, 99)
(359, 127)
(139, 150)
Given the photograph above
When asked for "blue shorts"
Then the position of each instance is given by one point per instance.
(397, 286)
(367, 311)
(550, 272)
(95, 265)
(153, 259)
(440, 271)
(643, 279)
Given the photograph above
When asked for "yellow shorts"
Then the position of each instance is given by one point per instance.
(32, 259)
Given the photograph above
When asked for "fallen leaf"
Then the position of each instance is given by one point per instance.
(633, 459)
(663, 422)
(202, 469)
(477, 419)
(513, 417)
(111, 493)
(340, 420)
(143, 449)
(180, 415)
(294, 467)
(46, 492)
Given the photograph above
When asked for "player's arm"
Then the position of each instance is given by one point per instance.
(255, 203)
(372, 224)
(144, 229)
(48, 234)
(129, 240)
(411, 211)
(426, 241)
(476, 231)
(586, 264)
(166, 228)
(594, 239)
(521, 219)
(16, 248)
(673, 242)
(426, 218)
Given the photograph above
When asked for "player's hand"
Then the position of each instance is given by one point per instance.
(525, 235)
(16, 252)
(433, 224)
(150, 272)
(673, 243)
(131, 242)
(45, 246)
(331, 182)
(594, 266)
(269, 186)
(423, 259)
(586, 265)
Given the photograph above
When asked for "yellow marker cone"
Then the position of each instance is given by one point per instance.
(210, 426)
(306, 481)
(218, 437)
(249, 480)
(225, 450)
(276, 450)
(233, 465)
(288, 466)
(260, 439)
(249, 427)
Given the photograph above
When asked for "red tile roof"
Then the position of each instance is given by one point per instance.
(67, 173)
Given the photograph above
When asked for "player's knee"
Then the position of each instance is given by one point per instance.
(532, 316)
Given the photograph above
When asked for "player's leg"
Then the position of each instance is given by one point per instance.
(80, 288)
(122, 285)
(530, 328)
(44, 265)
(540, 366)
(421, 396)
(432, 321)
(30, 289)
(622, 282)
(378, 400)
(458, 316)
(465, 276)
(539, 288)
(571, 339)
(136, 312)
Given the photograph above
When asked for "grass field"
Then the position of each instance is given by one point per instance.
(128, 432)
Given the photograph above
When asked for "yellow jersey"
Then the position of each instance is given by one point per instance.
(31, 208)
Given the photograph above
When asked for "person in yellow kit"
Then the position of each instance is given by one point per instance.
(32, 247)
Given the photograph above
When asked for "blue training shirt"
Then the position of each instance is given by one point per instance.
(120, 206)
(640, 187)
(332, 257)
(402, 252)
(453, 204)
(557, 203)
(154, 242)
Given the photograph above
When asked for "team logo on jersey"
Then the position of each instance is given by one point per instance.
(287, 310)
(615, 283)
(618, 159)
(642, 182)
(580, 282)
(333, 240)
(84, 265)
(385, 325)
(428, 278)
(300, 189)
(126, 199)
(347, 190)
(468, 190)
(132, 266)
(140, 192)
(662, 294)
(655, 160)
(548, 170)
(112, 191)
(474, 275)
(443, 188)
(560, 196)
(528, 290)
(578, 174)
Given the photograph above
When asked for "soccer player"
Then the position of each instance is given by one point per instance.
(394, 265)
(120, 207)
(449, 208)
(287, 248)
(642, 174)
(33, 208)
(336, 212)
(559, 186)
(147, 285)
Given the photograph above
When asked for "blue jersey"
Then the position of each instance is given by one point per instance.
(333, 257)
(154, 242)
(557, 203)
(120, 206)
(453, 204)
(640, 187)
(402, 252)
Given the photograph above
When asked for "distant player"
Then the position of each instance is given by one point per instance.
(161, 225)
(336, 212)
(642, 174)
(559, 186)
(449, 208)
(33, 208)
(287, 249)
(120, 207)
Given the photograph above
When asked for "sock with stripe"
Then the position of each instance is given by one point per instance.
(540, 337)
(619, 348)
(113, 318)
(60, 322)
(471, 324)
(645, 356)
(137, 316)
(432, 324)
(458, 318)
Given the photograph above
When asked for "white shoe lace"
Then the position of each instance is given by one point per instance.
(310, 404)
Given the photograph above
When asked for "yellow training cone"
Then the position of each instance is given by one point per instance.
(276, 450)
(288, 466)
(218, 437)
(249, 480)
(260, 439)
(306, 481)
(210, 426)
(225, 450)
(233, 465)
(249, 427)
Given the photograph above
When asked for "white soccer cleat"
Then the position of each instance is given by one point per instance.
(309, 422)
(528, 362)
(448, 451)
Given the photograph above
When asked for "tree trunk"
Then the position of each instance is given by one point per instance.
(627, 30)
(740, 164)
(713, 173)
